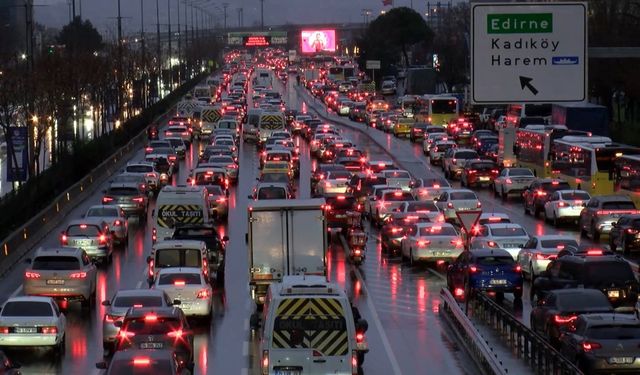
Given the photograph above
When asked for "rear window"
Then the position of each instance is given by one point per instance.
(214, 190)
(171, 258)
(342, 204)
(494, 260)
(275, 177)
(582, 301)
(177, 278)
(520, 172)
(311, 323)
(444, 147)
(214, 178)
(605, 273)
(618, 206)
(123, 191)
(576, 196)
(221, 159)
(83, 230)
(339, 175)
(141, 301)
(462, 195)
(397, 175)
(158, 326)
(508, 232)
(422, 206)
(483, 166)
(27, 308)
(438, 231)
(102, 212)
(55, 263)
(398, 196)
(272, 193)
(614, 332)
(466, 155)
(139, 168)
(548, 244)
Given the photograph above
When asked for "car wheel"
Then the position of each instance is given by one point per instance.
(532, 276)
(411, 262)
(526, 209)
(536, 211)
(61, 347)
(555, 222)
(495, 190)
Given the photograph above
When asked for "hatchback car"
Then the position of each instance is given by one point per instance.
(539, 251)
(565, 206)
(189, 286)
(91, 235)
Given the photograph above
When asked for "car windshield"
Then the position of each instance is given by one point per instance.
(221, 160)
(179, 278)
(614, 332)
(520, 172)
(158, 326)
(463, 195)
(341, 203)
(139, 168)
(576, 195)
(582, 301)
(176, 142)
(336, 175)
(138, 301)
(605, 273)
(122, 191)
(622, 205)
(55, 263)
(508, 232)
(83, 230)
(27, 308)
(141, 366)
(102, 212)
(438, 231)
(171, 258)
(422, 206)
(494, 260)
(272, 193)
(558, 244)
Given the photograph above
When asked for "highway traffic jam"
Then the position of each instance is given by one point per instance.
(278, 223)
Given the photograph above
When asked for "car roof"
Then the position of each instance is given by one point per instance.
(609, 318)
(263, 184)
(569, 291)
(503, 225)
(139, 292)
(139, 312)
(62, 251)
(104, 206)
(87, 220)
(178, 270)
(124, 184)
(29, 299)
(482, 253)
(178, 244)
(547, 237)
(613, 198)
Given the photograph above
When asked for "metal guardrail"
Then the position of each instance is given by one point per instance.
(467, 333)
(527, 345)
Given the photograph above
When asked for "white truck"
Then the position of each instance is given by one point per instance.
(506, 140)
(286, 237)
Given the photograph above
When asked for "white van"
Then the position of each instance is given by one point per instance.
(270, 121)
(309, 327)
(263, 77)
(179, 204)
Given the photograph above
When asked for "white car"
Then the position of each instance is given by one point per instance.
(453, 200)
(539, 251)
(181, 131)
(388, 202)
(431, 138)
(426, 189)
(228, 163)
(422, 208)
(565, 205)
(398, 178)
(512, 180)
(438, 148)
(189, 286)
(508, 236)
(431, 242)
(116, 219)
(370, 203)
(334, 183)
(32, 322)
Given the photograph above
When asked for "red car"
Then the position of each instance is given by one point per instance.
(336, 209)
(479, 172)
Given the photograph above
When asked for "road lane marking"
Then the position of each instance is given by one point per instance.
(139, 285)
(376, 321)
(246, 324)
(245, 348)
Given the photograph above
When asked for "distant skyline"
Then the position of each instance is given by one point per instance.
(103, 13)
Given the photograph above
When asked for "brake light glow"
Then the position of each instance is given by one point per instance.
(508, 181)
(473, 269)
(138, 199)
(541, 193)
(594, 252)
(49, 330)
(423, 243)
(113, 318)
(125, 335)
(458, 292)
(632, 231)
(102, 239)
(492, 244)
(106, 200)
(151, 318)
(456, 242)
(64, 240)
(203, 294)
(141, 361)
(561, 204)
(450, 205)
(78, 275)
(588, 346)
(559, 319)
(179, 283)
(518, 268)
(175, 334)
(479, 204)
(117, 223)
(31, 275)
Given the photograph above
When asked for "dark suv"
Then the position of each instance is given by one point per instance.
(156, 328)
(625, 234)
(590, 268)
(538, 193)
(207, 233)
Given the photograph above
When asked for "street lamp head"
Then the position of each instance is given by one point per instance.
(23, 56)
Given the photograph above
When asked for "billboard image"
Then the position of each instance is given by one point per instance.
(314, 41)
(256, 41)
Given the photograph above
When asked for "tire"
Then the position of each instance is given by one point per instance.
(536, 211)
(360, 359)
(411, 262)
(495, 190)
(531, 275)
(60, 349)
(555, 220)
(526, 209)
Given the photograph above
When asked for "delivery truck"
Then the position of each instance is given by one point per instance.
(582, 116)
(286, 237)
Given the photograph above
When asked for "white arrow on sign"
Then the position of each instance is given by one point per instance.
(468, 219)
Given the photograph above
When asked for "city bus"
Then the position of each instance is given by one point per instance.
(339, 73)
(627, 177)
(515, 112)
(588, 163)
(442, 109)
(533, 146)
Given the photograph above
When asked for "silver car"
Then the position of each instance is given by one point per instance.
(565, 205)
(426, 189)
(117, 307)
(91, 235)
(190, 287)
(32, 322)
(432, 242)
(512, 180)
(228, 163)
(539, 251)
(437, 150)
(454, 200)
(508, 236)
(115, 217)
(65, 273)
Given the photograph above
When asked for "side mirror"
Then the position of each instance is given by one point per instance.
(106, 303)
(176, 302)
(149, 259)
(118, 324)
(101, 365)
(362, 325)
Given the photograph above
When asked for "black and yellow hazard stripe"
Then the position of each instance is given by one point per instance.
(211, 115)
(271, 121)
(169, 222)
(329, 342)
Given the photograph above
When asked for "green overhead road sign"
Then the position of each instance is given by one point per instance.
(528, 52)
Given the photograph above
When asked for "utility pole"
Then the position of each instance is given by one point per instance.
(73, 6)
(158, 51)
(193, 38)
(262, 14)
(119, 78)
(224, 7)
(179, 43)
(144, 55)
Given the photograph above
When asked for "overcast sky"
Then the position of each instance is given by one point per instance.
(103, 13)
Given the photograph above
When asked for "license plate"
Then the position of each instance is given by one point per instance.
(25, 329)
(512, 245)
(151, 345)
(83, 242)
(498, 282)
(441, 253)
(613, 293)
(288, 372)
(484, 178)
(340, 216)
(55, 282)
(621, 360)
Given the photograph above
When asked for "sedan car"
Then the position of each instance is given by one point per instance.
(508, 236)
(141, 361)
(559, 310)
(272, 190)
(425, 189)
(334, 183)
(438, 149)
(453, 200)
(228, 163)
(129, 197)
(117, 307)
(491, 270)
(479, 173)
(65, 273)
(512, 180)
(431, 242)
(539, 251)
(189, 286)
(565, 205)
(32, 322)
(91, 235)
(115, 218)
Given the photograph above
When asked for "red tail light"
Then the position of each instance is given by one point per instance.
(458, 292)
(588, 346)
(492, 244)
(49, 330)
(204, 294)
(125, 335)
(508, 181)
(541, 193)
(423, 243)
(102, 239)
(151, 268)
(113, 318)
(449, 205)
(31, 275)
(151, 318)
(78, 275)
(221, 200)
(456, 242)
(559, 319)
(177, 334)
(632, 231)
(172, 158)
(472, 171)
(106, 200)
(354, 362)
(148, 150)
(138, 199)
(561, 204)
(141, 361)
(151, 175)
(479, 204)
(518, 268)
(594, 252)
(64, 240)
(265, 362)
(473, 269)
(117, 223)
(360, 337)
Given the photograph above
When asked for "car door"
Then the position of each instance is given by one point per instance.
(524, 257)
(442, 201)
(89, 268)
(618, 230)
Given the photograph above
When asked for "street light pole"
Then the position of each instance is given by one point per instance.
(158, 50)
(119, 78)
(179, 43)
(170, 51)
(224, 7)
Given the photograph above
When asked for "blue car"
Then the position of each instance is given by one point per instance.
(491, 270)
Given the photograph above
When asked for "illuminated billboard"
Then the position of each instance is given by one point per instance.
(315, 41)
(256, 41)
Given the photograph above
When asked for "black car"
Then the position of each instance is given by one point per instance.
(590, 268)
(418, 131)
(625, 234)
(536, 195)
(7, 366)
(207, 233)
(559, 310)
